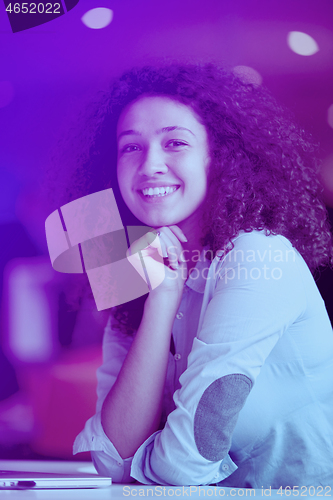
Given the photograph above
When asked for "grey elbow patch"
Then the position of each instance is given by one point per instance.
(217, 413)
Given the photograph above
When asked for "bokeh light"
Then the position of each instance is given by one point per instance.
(98, 18)
(248, 74)
(6, 93)
(302, 44)
(330, 116)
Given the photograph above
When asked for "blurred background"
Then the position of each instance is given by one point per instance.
(49, 350)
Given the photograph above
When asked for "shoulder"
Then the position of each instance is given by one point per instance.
(264, 265)
(258, 285)
(259, 239)
(256, 247)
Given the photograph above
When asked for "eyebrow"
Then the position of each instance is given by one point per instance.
(170, 129)
(128, 132)
(164, 129)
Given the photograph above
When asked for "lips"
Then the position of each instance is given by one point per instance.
(158, 193)
(160, 183)
(160, 190)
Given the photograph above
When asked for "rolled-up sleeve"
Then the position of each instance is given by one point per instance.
(258, 295)
(105, 456)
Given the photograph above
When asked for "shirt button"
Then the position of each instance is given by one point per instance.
(119, 464)
(177, 356)
(179, 315)
(225, 467)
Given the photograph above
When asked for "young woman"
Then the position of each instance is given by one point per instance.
(223, 374)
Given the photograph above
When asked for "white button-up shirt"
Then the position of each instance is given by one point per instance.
(248, 397)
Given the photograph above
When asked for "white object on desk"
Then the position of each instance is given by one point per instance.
(118, 491)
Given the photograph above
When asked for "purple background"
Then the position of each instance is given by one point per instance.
(53, 67)
(49, 72)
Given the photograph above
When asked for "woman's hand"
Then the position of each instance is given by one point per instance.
(131, 411)
(164, 264)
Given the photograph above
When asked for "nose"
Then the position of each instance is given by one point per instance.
(153, 162)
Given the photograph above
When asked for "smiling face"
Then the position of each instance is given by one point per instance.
(163, 160)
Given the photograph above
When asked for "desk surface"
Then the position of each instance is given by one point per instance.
(117, 491)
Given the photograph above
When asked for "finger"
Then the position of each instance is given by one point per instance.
(173, 252)
(178, 232)
(173, 244)
(156, 245)
(157, 242)
(150, 239)
(171, 247)
(170, 250)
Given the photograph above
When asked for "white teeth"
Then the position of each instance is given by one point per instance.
(159, 191)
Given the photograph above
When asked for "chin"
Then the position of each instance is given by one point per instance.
(161, 223)
(155, 221)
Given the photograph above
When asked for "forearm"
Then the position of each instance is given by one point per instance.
(132, 409)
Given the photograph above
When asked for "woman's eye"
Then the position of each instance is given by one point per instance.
(129, 148)
(176, 144)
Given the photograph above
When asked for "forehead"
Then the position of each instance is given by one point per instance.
(156, 112)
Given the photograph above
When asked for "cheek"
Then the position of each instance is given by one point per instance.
(122, 175)
(196, 189)
(125, 173)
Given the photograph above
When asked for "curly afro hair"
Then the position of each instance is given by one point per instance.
(263, 173)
